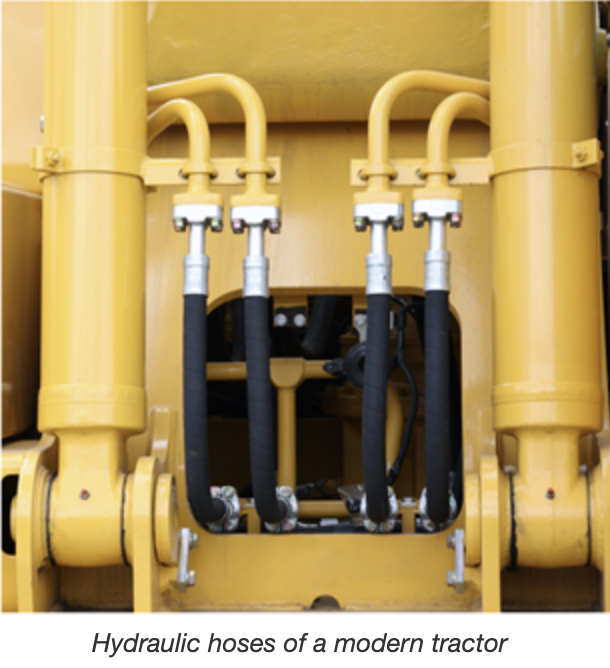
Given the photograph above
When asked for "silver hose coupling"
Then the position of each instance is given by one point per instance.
(437, 259)
(230, 520)
(378, 216)
(288, 498)
(197, 217)
(256, 265)
(389, 523)
(426, 523)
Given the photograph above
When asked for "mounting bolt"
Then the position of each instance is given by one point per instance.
(84, 494)
(192, 579)
(299, 320)
(180, 224)
(419, 219)
(451, 579)
(274, 226)
(550, 493)
(237, 226)
(360, 224)
(455, 219)
(398, 223)
(450, 541)
(216, 224)
(580, 153)
(193, 540)
(281, 320)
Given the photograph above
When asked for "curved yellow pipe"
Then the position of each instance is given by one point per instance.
(194, 120)
(442, 120)
(200, 169)
(393, 426)
(256, 167)
(379, 167)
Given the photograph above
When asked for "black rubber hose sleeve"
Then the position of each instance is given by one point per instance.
(204, 508)
(376, 374)
(260, 411)
(437, 404)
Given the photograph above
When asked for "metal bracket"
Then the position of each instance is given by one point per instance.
(456, 578)
(185, 577)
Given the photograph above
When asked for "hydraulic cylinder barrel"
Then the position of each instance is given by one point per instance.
(546, 284)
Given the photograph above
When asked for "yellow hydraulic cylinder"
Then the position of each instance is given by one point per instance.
(92, 370)
(546, 263)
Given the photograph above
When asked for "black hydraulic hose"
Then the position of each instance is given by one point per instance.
(374, 407)
(204, 508)
(238, 351)
(455, 426)
(320, 327)
(260, 411)
(400, 356)
(437, 404)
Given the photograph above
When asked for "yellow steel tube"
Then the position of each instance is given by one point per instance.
(546, 283)
(287, 437)
(254, 112)
(379, 117)
(194, 120)
(460, 104)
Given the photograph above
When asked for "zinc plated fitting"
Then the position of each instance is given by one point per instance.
(388, 525)
(437, 259)
(230, 520)
(256, 218)
(197, 264)
(378, 215)
(286, 496)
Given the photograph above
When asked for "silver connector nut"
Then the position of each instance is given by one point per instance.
(389, 524)
(427, 524)
(230, 521)
(286, 496)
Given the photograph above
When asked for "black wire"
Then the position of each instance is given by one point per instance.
(401, 322)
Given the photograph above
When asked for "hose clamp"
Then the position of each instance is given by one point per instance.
(288, 498)
(388, 525)
(230, 520)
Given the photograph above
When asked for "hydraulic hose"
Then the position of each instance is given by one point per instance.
(204, 508)
(376, 373)
(260, 411)
(320, 328)
(437, 404)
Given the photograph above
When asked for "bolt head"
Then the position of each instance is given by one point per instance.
(360, 320)
(451, 578)
(179, 224)
(193, 540)
(216, 224)
(450, 540)
(192, 578)
(455, 220)
(237, 226)
(286, 491)
(274, 226)
(299, 320)
(398, 224)
(281, 320)
(84, 494)
(419, 219)
(360, 224)
(550, 493)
